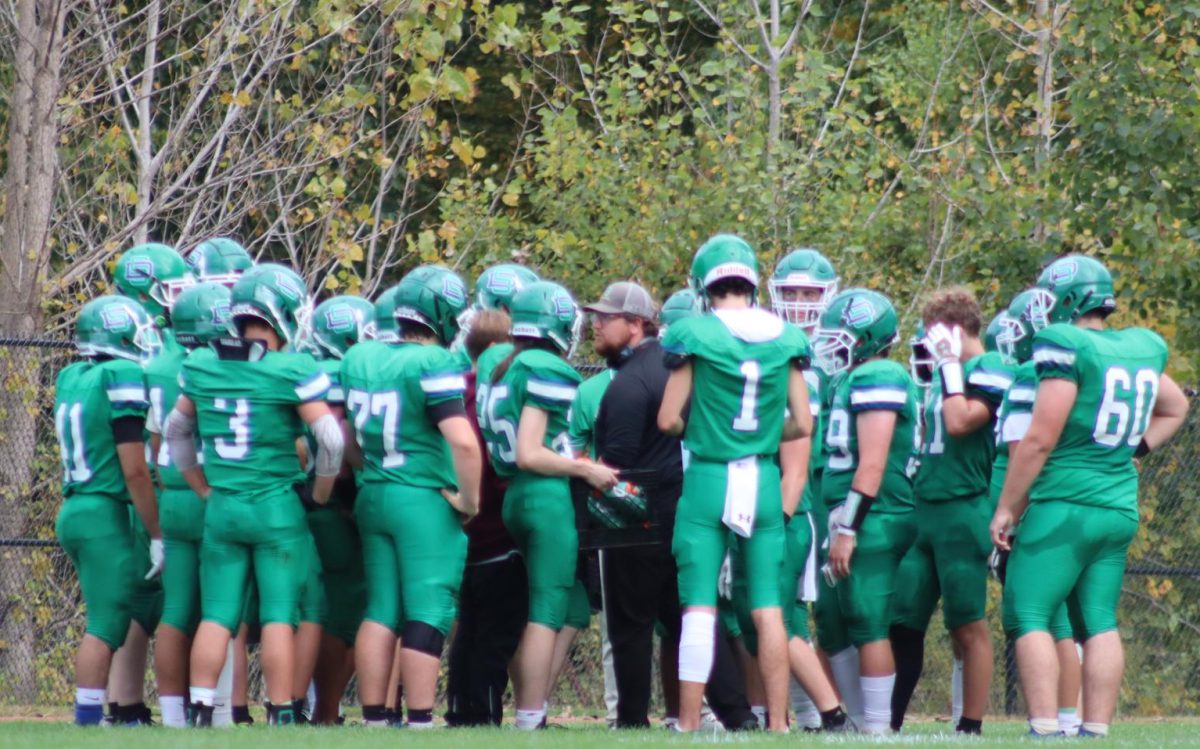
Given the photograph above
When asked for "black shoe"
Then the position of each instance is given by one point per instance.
(242, 716)
(199, 716)
(299, 707)
(281, 715)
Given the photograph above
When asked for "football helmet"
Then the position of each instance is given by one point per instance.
(682, 304)
(857, 325)
(1069, 288)
(547, 310)
(992, 330)
(278, 296)
(153, 275)
(340, 322)
(802, 269)
(496, 286)
(722, 256)
(1015, 339)
(116, 326)
(201, 314)
(435, 299)
(220, 260)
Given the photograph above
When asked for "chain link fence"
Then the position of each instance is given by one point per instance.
(41, 613)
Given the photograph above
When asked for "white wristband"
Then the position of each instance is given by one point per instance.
(845, 530)
(952, 378)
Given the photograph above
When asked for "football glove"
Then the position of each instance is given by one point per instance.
(998, 564)
(725, 579)
(945, 343)
(157, 556)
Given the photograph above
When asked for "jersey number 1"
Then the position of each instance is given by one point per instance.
(747, 419)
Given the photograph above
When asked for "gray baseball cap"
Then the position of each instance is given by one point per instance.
(625, 298)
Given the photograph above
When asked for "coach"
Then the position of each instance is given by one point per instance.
(640, 582)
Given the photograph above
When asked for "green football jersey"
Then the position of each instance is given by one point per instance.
(332, 368)
(390, 390)
(1117, 373)
(582, 416)
(961, 467)
(534, 378)
(247, 419)
(739, 381)
(876, 385)
(162, 385)
(1014, 415)
(89, 397)
(817, 381)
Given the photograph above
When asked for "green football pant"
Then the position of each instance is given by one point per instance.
(798, 535)
(181, 515)
(1067, 552)
(866, 596)
(312, 608)
(340, 550)
(701, 539)
(579, 609)
(539, 514)
(950, 558)
(95, 533)
(264, 536)
(146, 604)
(827, 614)
(414, 550)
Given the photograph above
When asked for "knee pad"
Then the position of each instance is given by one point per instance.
(697, 646)
(422, 638)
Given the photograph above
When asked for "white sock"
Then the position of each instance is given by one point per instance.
(203, 695)
(311, 697)
(419, 726)
(877, 703)
(956, 691)
(1096, 729)
(1043, 726)
(844, 665)
(697, 646)
(173, 713)
(1068, 721)
(89, 696)
(223, 698)
(760, 712)
(805, 709)
(529, 720)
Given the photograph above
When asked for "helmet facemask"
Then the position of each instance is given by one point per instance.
(833, 350)
(805, 314)
(1011, 333)
(1040, 308)
(920, 362)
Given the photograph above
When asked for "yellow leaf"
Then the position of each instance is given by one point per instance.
(331, 282)
(510, 199)
(242, 99)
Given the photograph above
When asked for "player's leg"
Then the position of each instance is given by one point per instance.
(579, 617)
(375, 641)
(313, 612)
(127, 676)
(745, 642)
(804, 664)
(1094, 604)
(1042, 570)
(340, 550)
(181, 515)
(433, 551)
(838, 655)
(1070, 672)
(916, 597)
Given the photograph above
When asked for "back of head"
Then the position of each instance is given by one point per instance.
(724, 265)
(201, 314)
(488, 327)
(547, 311)
(954, 306)
(278, 297)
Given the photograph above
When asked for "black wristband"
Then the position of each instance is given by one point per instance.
(861, 508)
(1142, 450)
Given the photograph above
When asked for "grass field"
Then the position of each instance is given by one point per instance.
(18, 734)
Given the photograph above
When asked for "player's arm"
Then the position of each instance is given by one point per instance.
(675, 399)
(468, 459)
(131, 454)
(1055, 399)
(180, 435)
(799, 423)
(330, 444)
(535, 457)
(1170, 410)
(793, 465)
(964, 414)
(875, 429)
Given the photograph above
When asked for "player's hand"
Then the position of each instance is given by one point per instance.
(944, 342)
(840, 553)
(998, 564)
(1001, 529)
(600, 476)
(725, 579)
(455, 499)
(157, 556)
(833, 521)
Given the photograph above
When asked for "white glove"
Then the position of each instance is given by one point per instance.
(835, 519)
(156, 558)
(725, 579)
(944, 342)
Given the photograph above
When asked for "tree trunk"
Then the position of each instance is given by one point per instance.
(29, 192)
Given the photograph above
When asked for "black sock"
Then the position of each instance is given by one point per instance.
(241, 715)
(113, 709)
(969, 725)
(199, 715)
(375, 712)
(908, 646)
(298, 707)
(833, 719)
(420, 716)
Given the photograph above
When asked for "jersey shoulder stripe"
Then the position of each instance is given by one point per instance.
(1022, 394)
(126, 393)
(551, 390)
(313, 388)
(873, 397)
(443, 384)
(990, 381)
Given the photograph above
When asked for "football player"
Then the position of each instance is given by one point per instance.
(870, 439)
(523, 414)
(743, 365)
(200, 316)
(421, 471)
(1102, 401)
(219, 260)
(682, 304)
(494, 290)
(950, 555)
(100, 408)
(249, 397)
(153, 274)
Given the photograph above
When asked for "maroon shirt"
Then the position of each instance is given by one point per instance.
(487, 538)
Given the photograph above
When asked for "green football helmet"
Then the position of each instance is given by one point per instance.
(547, 310)
(993, 329)
(278, 296)
(857, 325)
(220, 260)
(682, 304)
(435, 299)
(1069, 288)
(802, 269)
(116, 326)
(722, 256)
(1015, 339)
(201, 314)
(496, 286)
(340, 322)
(920, 361)
(153, 275)
(386, 329)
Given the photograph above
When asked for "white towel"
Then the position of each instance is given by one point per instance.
(753, 324)
(741, 496)
(806, 590)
